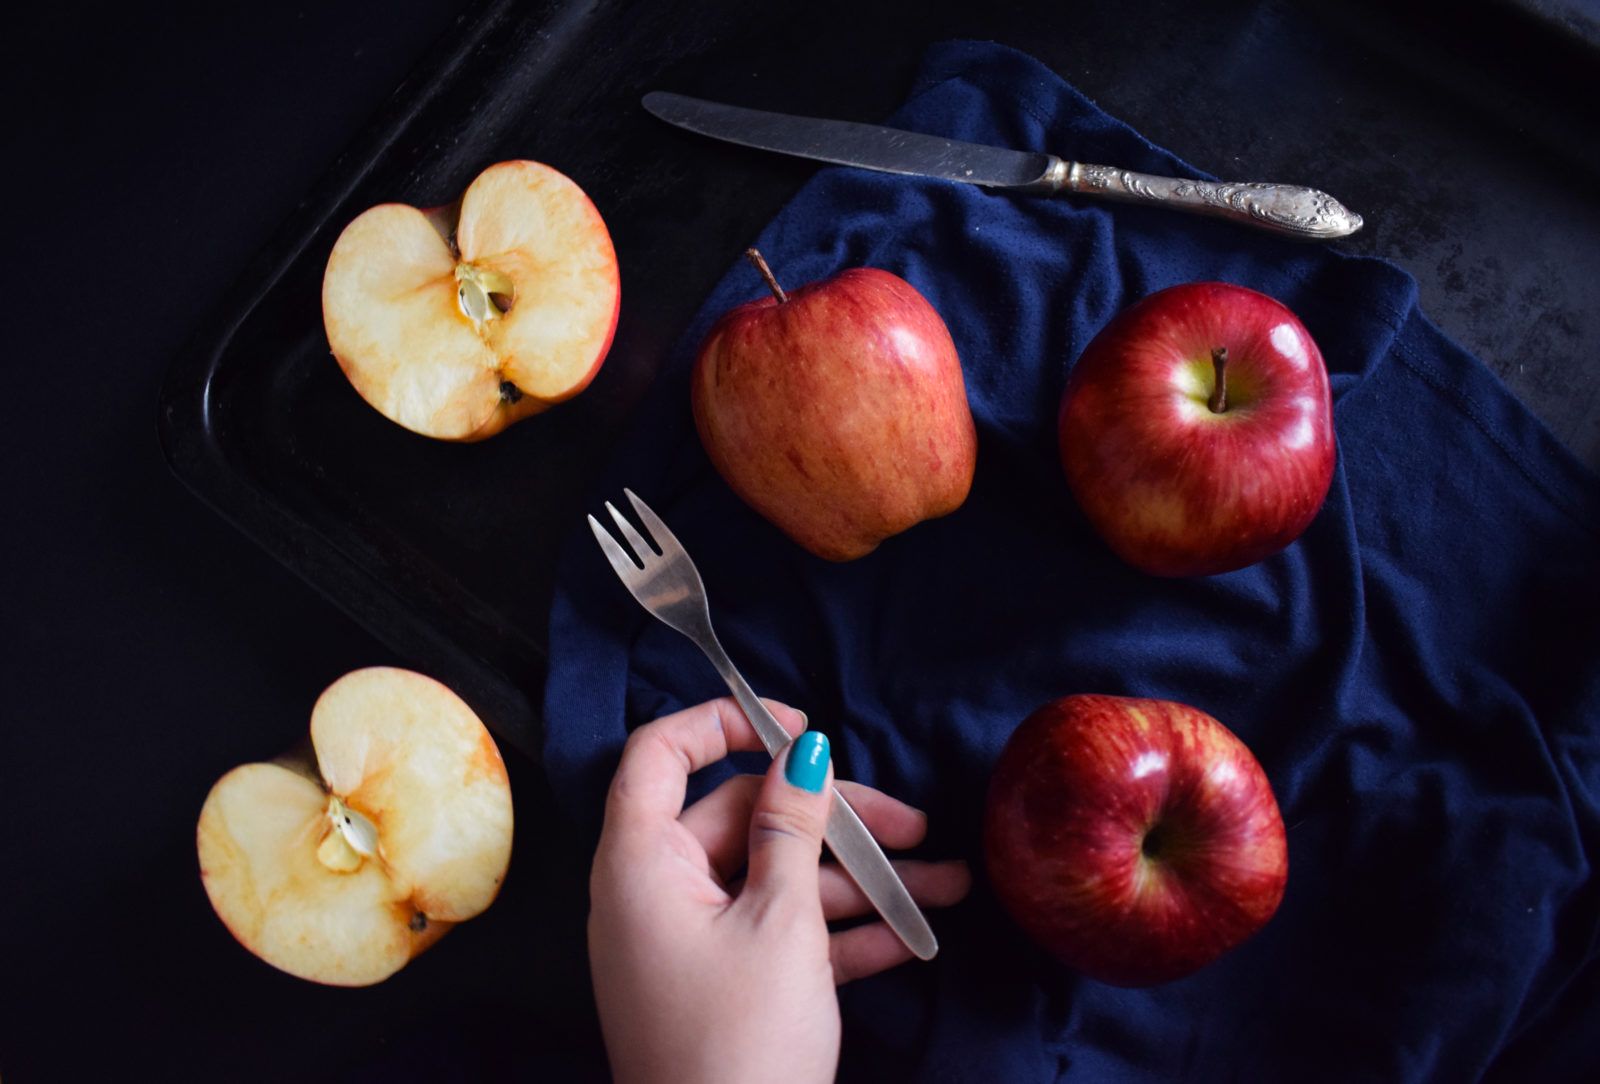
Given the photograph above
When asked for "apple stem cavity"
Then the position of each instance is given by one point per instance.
(1219, 390)
(756, 258)
(1152, 844)
(510, 394)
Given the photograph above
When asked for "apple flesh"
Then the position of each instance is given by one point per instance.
(457, 325)
(342, 870)
(1196, 431)
(1134, 840)
(837, 411)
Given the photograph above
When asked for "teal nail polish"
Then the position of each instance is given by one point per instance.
(807, 766)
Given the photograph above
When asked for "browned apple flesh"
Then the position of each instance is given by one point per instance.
(343, 881)
(458, 340)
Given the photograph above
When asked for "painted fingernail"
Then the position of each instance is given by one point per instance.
(807, 766)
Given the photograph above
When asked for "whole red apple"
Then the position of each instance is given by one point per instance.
(1135, 840)
(1197, 430)
(837, 411)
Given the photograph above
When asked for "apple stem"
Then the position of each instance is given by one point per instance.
(766, 272)
(1219, 391)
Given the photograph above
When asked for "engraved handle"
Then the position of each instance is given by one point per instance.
(1289, 210)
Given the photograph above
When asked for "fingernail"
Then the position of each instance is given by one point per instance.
(807, 766)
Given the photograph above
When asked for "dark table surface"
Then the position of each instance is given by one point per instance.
(151, 646)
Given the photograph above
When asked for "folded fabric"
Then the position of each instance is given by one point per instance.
(1419, 674)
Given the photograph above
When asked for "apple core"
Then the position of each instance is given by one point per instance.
(350, 838)
(483, 294)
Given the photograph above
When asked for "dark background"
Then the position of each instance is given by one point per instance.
(151, 646)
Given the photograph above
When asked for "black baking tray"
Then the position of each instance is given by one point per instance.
(1468, 142)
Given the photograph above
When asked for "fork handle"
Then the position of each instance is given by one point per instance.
(768, 729)
(847, 836)
(869, 867)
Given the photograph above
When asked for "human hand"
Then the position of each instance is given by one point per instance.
(700, 976)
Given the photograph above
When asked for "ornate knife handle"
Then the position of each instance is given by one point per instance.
(1287, 209)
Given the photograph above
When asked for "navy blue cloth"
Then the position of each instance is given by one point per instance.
(1419, 674)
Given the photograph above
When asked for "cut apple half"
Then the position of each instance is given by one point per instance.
(457, 323)
(342, 870)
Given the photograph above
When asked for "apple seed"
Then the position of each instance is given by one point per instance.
(337, 855)
(483, 294)
(351, 837)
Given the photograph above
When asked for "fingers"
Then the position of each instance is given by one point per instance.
(660, 756)
(721, 820)
(786, 826)
(891, 822)
(931, 884)
(863, 951)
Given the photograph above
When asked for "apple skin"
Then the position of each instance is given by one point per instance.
(1173, 488)
(839, 414)
(1076, 794)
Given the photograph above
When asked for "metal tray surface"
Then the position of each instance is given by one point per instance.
(1467, 143)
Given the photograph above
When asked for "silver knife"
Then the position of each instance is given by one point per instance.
(1285, 209)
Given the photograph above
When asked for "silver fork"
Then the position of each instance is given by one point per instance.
(666, 583)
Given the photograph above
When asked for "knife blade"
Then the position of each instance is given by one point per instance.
(846, 143)
(1288, 210)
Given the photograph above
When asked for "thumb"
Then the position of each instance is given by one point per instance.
(787, 823)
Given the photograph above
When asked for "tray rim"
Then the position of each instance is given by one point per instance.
(186, 418)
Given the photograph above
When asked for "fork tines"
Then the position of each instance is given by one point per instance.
(625, 564)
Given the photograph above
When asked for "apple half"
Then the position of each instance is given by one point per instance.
(342, 870)
(457, 324)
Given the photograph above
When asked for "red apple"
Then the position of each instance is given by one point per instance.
(1197, 430)
(1134, 840)
(457, 322)
(837, 411)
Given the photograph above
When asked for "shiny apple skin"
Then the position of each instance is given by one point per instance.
(1173, 488)
(1076, 791)
(840, 414)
